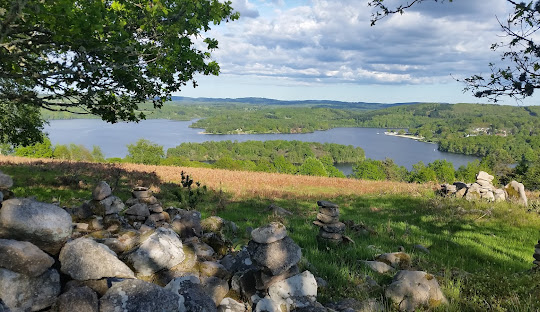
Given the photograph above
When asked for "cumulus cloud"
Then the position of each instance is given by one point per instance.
(332, 40)
(245, 8)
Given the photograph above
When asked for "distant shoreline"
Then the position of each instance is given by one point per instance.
(407, 136)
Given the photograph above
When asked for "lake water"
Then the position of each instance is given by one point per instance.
(113, 138)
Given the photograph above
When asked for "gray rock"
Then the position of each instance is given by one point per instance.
(499, 195)
(85, 259)
(244, 283)
(216, 287)
(152, 200)
(398, 260)
(330, 235)
(488, 196)
(187, 224)
(136, 295)
(161, 250)
(269, 233)
(482, 175)
(203, 250)
(338, 227)
(276, 257)
(379, 267)
(138, 210)
(211, 268)
(24, 258)
(326, 204)
(324, 218)
(3, 307)
(412, 289)
(231, 305)
(421, 248)
(44, 225)
(24, 293)
(101, 191)
(141, 192)
(516, 191)
(267, 305)
(296, 292)
(213, 224)
(332, 212)
(5, 181)
(79, 299)
(263, 280)
(191, 295)
(155, 208)
(239, 263)
(100, 286)
(107, 206)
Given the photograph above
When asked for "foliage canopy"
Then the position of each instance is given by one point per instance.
(102, 57)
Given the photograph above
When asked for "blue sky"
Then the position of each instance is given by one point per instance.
(326, 49)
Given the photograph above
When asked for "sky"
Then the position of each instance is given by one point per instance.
(327, 49)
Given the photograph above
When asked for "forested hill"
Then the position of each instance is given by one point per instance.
(179, 100)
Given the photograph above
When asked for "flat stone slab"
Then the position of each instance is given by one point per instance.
(377, 266)
(23, 257)
(327, 204)
(269, 233)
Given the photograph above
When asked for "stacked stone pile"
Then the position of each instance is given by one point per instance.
(483, 188)
(277, 277)
(330, 228)
(144, 208)
(536, 255)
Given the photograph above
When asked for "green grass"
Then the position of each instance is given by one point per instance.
(481, 253)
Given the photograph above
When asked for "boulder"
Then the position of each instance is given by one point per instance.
(516, 191)
(203, 250)
(210, 268)
(216, 288)
(377, 266)
(191, 295)
(24, 258)
(5, 181)
(484, 176)
(161, 250)
(136, 295)
(45, 225)
(231, 305)
(213, 224)
(80, 299)
(269, 233)
(399, 260)
(276, 257)
(101, 191)
(106, 206)
(499, 195)
(263, 280)
(24, 293)
(187, 224)
(268, 305)
(412, 289)
(140, 210)
(85, 259)
(296, 292)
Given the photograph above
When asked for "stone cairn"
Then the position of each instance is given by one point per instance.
(483, 188)
(330, 228)
(276, 257)
(536, 255)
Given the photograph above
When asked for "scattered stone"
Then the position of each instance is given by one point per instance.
(481, 189)
(23, 257)
(190, 295)
(296, 292)
(267, 305)
(484, 176)
(326, 204)
(278, 211)
(161, 250)
(85, 259)
(216, 287)
(412, 289)
(516, 191)
(276, 257)
(378, 266)
(421, 248)
(6, 181)
(80, 299)
(136, 295)
(21, 292)
(263, 280)
(269, 233)
(398, 260)
(101, 191)
(45, 225)
(231, 305)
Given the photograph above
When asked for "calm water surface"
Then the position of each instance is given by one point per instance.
(113, 138)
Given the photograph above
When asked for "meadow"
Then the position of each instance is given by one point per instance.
(480, 252)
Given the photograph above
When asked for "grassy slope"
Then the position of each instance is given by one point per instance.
(480, 252)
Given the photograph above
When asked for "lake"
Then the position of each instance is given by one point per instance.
(113, 138)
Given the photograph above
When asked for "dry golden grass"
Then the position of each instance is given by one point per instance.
(241, 184)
